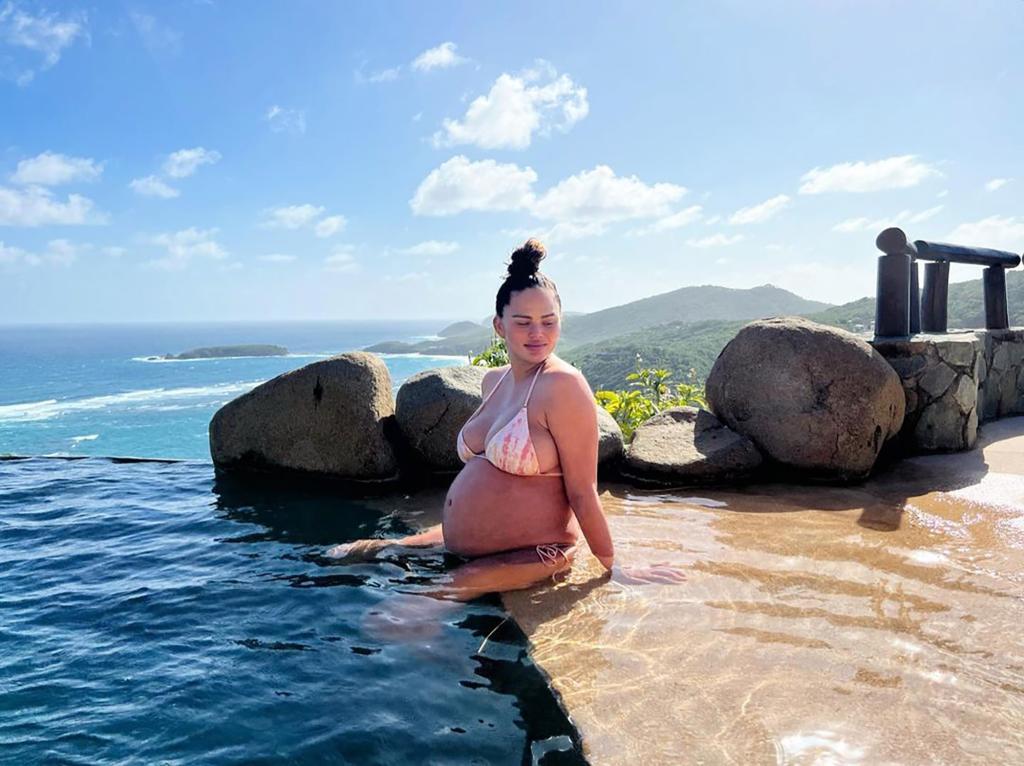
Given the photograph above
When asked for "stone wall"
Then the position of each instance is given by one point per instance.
(1002, 373)
(953, 381)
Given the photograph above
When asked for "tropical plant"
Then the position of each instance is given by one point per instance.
(495, 355)
(651, 391)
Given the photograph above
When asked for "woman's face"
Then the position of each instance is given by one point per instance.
(530, 324)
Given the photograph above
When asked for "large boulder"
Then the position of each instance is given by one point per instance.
(610, 445)
(431, 407)
(685, 445)
(327, 418)
(812, 397)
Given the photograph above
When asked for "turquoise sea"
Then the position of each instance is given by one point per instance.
(152, 612)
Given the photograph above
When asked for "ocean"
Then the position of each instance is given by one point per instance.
(102, 390)
(154, 612)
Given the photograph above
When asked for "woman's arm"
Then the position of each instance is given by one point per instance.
(572, 420)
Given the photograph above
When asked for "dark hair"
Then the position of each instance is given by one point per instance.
(524, 272)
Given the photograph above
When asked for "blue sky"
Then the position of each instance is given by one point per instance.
(188, 160)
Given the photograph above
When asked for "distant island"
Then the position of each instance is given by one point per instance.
(219, 352)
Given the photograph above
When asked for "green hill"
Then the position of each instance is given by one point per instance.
(685, 305)
(460, 328)
(679, 346)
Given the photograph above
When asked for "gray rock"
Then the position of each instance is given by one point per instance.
(610, 445)
(966, 393)
(958, 352)
(1001, 357)
(431, 407)
(326, 418)
(936, 380)
(907, 366)
(990, 400)
(687, 445)
(941, 426)
(809, 396)
(971, 429)
(1007, 393)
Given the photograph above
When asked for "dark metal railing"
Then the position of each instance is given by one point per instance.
(902, 308)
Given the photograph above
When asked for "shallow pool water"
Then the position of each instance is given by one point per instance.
(150, 613)
(870, 624)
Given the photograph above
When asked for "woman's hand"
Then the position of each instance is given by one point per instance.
(649, 574)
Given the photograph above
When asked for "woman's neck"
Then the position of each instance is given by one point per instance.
(524, 368)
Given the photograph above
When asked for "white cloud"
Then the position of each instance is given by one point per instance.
(182, 246)
(409, 276)
(675, 221)
(516, 108)
(431, 247)
(599, 195)
(715, 240)
(158, 38)
(152, 186)
(276, 258)
(328, 227)
(46, 34)
(854, 224)
(458, 185)
(942, 193)
(292, 216)
(50, 169)
(760, 213)
(36, 206)
(994, 232)
(441, 57)
(59, 252)
(284, 120)
(381, 75)
(876, 225)
(341, 261)
(712, 220)
(114, 251)
(996, 184)
(893, 173)
(62, 251)
(10, 254)
(185, 162)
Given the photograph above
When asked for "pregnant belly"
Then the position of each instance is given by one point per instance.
(488, 510)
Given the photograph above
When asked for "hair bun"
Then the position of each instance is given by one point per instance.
(526, 260)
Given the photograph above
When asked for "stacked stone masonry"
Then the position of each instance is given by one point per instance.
(953, 381)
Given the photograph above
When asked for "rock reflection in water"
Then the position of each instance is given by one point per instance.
(870, 624)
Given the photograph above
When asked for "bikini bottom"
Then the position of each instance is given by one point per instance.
(550, 554)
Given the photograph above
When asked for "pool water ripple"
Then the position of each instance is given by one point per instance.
(150, 613)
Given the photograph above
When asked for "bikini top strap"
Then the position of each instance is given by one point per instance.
(535, 376)
(489, 395)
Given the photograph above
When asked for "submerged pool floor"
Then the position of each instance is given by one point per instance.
(875, 624)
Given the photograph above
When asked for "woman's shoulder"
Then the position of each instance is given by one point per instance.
(491, 378)
(562, 379)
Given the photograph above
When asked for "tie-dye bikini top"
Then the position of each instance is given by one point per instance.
(511, 448)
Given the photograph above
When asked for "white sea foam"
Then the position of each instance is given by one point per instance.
(49, 409)
(421, 356)
(86, 438)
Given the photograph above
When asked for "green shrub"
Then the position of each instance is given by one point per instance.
(650, 392)
(495, 355)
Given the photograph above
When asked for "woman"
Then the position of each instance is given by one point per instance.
(529, 486)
